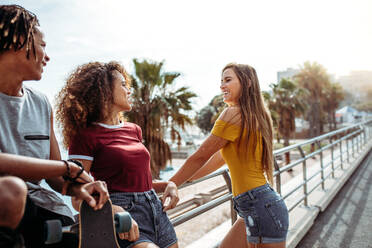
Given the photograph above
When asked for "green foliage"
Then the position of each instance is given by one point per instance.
(204, 119)
(334, 94)
(158, 106)
(307, 148)
(207, 116)
(285, 104)
(314, 78)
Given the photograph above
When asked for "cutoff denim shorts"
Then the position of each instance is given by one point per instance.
(147, 210)
(265, 215)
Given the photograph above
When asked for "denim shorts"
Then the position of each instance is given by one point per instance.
(147, 210)
(265, 215)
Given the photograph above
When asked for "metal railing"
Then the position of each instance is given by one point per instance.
(342, 146)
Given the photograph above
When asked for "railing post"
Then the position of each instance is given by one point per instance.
(341, 159)
(347, 148)
(332, 158)
(321, 162)
(278, 181)
(352, 145)
(232, 210)
(304, 173)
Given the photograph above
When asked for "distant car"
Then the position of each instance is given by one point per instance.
(190, 143)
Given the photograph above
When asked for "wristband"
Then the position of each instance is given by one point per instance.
(67, 168)
(68, 176)
(81, 168)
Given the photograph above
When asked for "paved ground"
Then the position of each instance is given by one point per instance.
(347, 222)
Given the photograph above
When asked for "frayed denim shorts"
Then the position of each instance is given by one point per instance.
(147, 210)
(265, 215)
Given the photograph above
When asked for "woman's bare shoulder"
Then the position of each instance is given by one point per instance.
(231, 115)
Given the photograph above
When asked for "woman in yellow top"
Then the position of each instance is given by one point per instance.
(242, 138)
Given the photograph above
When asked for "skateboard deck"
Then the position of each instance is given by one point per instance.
(97, 227)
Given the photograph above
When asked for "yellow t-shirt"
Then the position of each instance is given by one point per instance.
(245, 169)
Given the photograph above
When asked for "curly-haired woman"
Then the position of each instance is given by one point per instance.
(89, 108)
(242, 138)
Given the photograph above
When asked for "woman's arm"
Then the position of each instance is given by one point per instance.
(209, 147)
(214, 163)
(208, 157)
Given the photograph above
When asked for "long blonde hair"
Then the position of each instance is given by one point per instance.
(254, 115)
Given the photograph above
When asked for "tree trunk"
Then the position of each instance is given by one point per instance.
(312, 149)
(287, 155)
(330, 121)
(334, 120)
(314, 119)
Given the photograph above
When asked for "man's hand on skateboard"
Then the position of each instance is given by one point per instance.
(133, 233)
(94, 193)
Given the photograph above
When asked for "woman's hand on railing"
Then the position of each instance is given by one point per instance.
(170, 197)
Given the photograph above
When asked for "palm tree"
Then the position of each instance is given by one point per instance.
(158, 107)
(333, 96)
(286, 102)
(314, 78)
(274, 115)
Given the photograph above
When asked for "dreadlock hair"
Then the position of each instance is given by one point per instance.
(87, 97)
(17, 27)
(254, 115)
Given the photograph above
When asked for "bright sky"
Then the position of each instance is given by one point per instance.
(198, 37)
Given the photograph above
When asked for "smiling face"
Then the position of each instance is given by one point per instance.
(32, 68)
(230, 87)
(121, 93)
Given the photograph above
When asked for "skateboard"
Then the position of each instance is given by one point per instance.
(96, 228)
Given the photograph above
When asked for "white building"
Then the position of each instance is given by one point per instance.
(289, 73)
(348, 114)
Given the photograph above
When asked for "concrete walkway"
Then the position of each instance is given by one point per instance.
(347, 222)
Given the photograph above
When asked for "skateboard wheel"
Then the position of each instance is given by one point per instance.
(53, 231)
(123, 222)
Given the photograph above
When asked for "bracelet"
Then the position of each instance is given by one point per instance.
(68, 176)
(81, 169)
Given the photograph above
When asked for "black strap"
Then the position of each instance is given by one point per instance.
(73, 179)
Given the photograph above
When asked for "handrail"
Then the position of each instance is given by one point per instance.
(321, 137)
(357, 134)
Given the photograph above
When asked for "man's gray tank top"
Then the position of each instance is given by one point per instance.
(25, 130)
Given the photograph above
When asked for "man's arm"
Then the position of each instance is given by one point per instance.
(29, 168)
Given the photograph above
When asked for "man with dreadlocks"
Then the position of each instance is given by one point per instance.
(28, 147)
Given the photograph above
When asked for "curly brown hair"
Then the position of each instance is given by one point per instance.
(86, 97)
